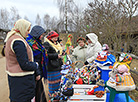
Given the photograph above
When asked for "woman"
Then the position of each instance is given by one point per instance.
(19, 63)
(93, 47)
(39, 53)
(54, 51)
(79, 52)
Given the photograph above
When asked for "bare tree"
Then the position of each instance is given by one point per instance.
(104, 16)
(46, 21)
(26, 18)
(129, 8)
(53, 23)
(4, 19)
(14, 16)
(38, 20)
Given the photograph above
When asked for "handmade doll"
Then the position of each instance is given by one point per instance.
(67, 65)
(68, 88)
(120, 77)
(105, 58)
(97, 90)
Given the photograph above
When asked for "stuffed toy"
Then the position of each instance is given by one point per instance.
(68, 88)
(120, 78)
(92, 79)
(99, 89)
(66, 66)
(89, 92)
(105, 58)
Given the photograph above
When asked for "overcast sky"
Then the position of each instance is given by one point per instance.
(31, 8)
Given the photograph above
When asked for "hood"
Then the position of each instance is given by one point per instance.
(93, 37)
(37, 31)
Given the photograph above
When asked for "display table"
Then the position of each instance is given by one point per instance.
(79, 94)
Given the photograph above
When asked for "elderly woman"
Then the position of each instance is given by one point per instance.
(93, 47)
(39, 53)
(54, 51)
(79, 52)
(19, 63)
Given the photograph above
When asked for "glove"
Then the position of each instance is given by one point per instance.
(86, 63)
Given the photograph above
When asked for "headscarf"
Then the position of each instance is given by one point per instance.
(20, 27)
(93, 37)
(57, 46)
(126, 58)
(52, 34)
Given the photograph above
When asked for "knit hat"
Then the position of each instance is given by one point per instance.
(81, 38)
(52, 34)
(37, 31)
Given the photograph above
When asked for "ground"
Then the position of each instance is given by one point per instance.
(4, 90)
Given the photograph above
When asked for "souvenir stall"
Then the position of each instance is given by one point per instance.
(83, 84)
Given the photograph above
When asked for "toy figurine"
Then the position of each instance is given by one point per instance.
(99, 89)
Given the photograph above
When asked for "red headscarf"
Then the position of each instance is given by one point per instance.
(52, 34)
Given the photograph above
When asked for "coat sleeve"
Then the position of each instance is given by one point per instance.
(97, 48)
(22, 57)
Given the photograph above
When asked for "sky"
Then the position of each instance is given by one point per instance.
(31, 8)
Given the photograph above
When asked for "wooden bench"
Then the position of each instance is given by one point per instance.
(80, 90)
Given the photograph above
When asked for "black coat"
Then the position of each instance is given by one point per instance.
(54, 63)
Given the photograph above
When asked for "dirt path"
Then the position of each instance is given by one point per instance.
(4, 89)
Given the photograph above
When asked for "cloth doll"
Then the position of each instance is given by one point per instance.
(105, 58)
(99, 89)
(120, 77)
(68, 88)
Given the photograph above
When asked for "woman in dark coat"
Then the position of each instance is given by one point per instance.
(54, 51)
(40, 56)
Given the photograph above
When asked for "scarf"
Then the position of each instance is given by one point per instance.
(37, 49)
(57, 46)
